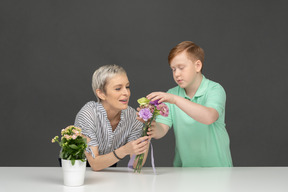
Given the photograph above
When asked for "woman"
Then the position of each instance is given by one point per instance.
(110, 125)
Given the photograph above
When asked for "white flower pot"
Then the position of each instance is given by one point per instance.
(73, 175)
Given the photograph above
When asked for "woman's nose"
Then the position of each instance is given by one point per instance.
(125, 91)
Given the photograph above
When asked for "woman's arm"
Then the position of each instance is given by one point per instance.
(103, 161)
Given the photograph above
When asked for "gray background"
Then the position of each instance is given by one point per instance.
(49, 50)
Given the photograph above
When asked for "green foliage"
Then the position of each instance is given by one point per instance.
(73, 144)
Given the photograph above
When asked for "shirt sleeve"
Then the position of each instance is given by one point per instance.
(85, 119)
(136, 129)
(216, 98)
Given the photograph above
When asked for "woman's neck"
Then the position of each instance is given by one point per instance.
(112, 115)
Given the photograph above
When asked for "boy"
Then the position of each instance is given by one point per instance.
(197, 112)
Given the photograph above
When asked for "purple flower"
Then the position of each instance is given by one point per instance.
(154, 102)
(145, 114)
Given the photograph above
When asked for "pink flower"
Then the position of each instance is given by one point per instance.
(74, 136)
(67, 137)
(164, 110)
(75, 131)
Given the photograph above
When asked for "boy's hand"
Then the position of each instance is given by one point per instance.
(152, 131)
(162, 96)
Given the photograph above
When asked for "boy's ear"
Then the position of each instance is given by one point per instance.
(100, 94)
(198, 66)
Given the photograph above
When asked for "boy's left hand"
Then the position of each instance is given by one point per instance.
(162, 96)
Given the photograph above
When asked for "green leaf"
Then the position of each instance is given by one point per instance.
(143, 101)
(73, 146)
(73, 161)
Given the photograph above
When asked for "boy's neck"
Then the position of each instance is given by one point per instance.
(192, 89)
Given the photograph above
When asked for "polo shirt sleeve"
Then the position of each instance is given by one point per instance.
(85, 120)
(216, 98)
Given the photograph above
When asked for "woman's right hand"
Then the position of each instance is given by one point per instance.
(138, 146)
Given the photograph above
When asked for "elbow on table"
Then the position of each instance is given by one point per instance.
(95, 168)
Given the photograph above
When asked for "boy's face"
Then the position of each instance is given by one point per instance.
(185, 71)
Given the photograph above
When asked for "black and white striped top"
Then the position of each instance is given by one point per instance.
(93, 121)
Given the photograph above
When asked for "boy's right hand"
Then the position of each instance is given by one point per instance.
(162, 97)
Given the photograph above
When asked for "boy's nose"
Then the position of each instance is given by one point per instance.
(177, 73)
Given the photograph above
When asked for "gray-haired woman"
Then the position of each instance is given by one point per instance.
(109, 124)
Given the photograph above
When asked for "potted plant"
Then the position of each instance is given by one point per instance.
(72, 154)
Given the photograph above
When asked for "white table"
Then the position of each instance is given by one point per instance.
(242, 179)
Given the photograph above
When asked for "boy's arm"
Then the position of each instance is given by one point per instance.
(202, 114)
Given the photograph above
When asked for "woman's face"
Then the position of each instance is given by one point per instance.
(117, 92)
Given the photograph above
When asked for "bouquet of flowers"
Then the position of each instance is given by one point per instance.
(72, 143)
(149, 110)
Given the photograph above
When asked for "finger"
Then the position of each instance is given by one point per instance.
(143, 144)
(152, 95)
(143, 150)
(161, 100)
(141, 139)
(139, 119)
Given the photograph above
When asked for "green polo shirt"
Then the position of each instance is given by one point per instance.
(197, 144)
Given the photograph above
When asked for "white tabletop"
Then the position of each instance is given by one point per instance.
(242, 179)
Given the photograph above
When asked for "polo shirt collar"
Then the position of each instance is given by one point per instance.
(200, 91)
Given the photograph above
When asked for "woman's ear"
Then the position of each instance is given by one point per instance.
(100, 94)
(198, 66)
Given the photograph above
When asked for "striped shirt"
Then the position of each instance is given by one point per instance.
(93, 121)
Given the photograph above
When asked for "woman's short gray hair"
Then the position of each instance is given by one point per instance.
(102, 75)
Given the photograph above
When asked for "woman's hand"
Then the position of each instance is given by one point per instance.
(139, 118)
(162, 96)
(138, 146)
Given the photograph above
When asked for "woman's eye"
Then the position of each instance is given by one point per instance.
(128, 87)
(118, 89)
